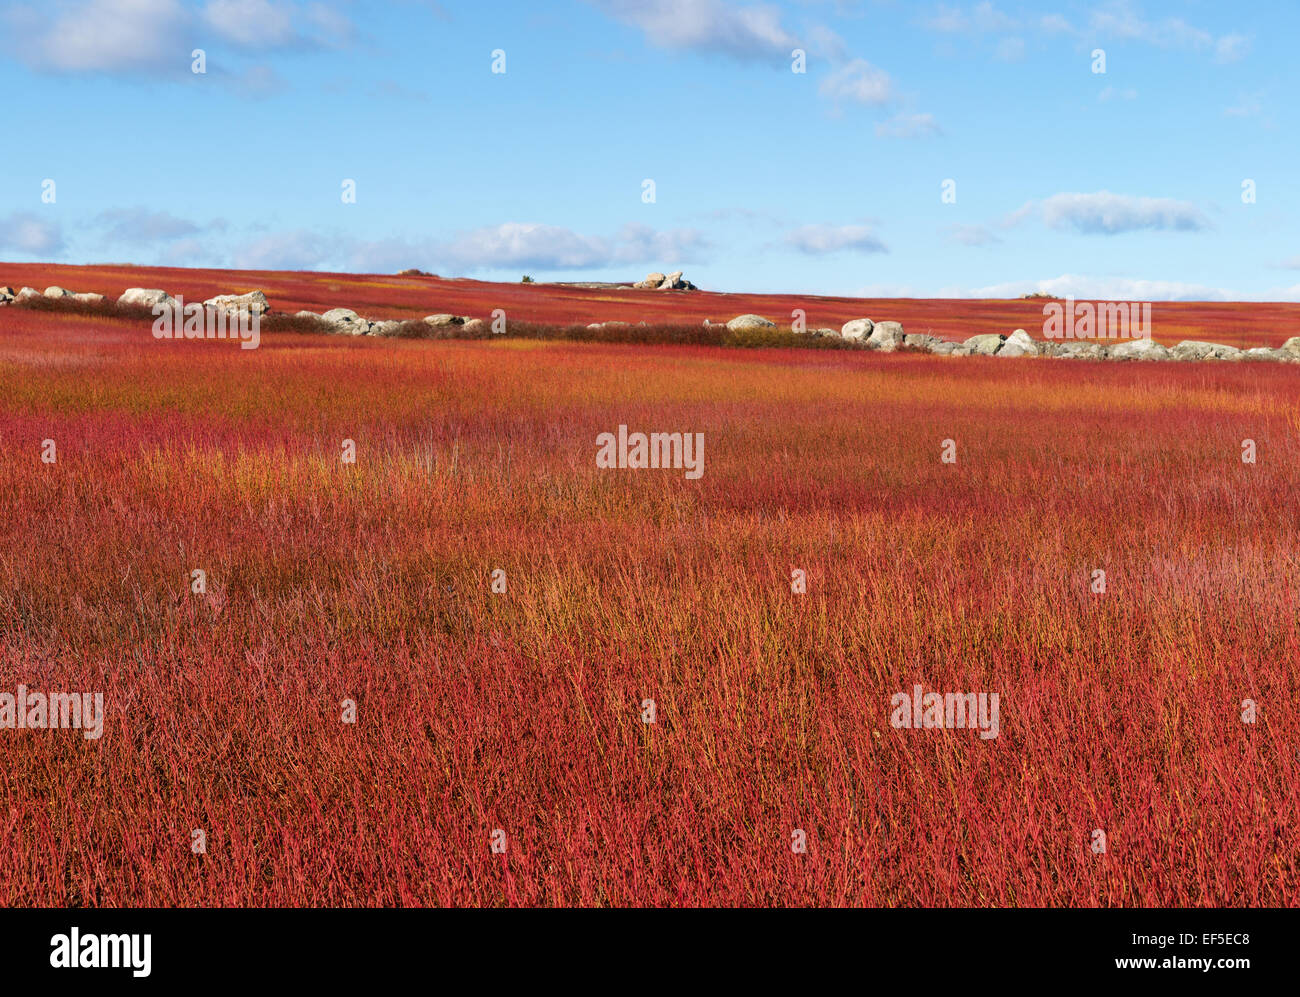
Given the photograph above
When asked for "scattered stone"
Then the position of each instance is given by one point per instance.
(821, 333)
(442, 319)
(1018, 344)
(985, 344)
(89, 298)
(858, 328)
(413, 273)
(920, 341)
(388, 327)
(147, 297)
(886, 337)
(347, 322)
(57, 292)
(665, 282)
(477, 325)
(27, 294)
(1139, 349)
(1195, 349)
(252, 303)
(1291, 347)
(750, 322)
(1083, 351)
(6, 295)
(1258, 353)
(944, 347)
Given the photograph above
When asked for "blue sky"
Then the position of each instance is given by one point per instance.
(1124, 184)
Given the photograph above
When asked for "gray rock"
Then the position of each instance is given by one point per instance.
(27, 294)
(886, 337)
(1018, 344)
(1083, 351)
(651, 280)
(750, 322)
(1291, 346)
(985, 344)
(920, 340)
(1139, 349)
(1195, 349)
(252, 303)
(89, 298)
(858, 328)
(944, 347)
(57, 292)
(443, 319)
(477, 325)
(148, 297)
(385, 328)
(1258, 353)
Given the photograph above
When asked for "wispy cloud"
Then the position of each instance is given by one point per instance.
(506, 246)
(1107, 288)
(1104, 213)
(817, 240)
(981, 18)
(859, 82)
(904, 125)
(972, 235)
(753, 31)
(1116, 93)
(154, 38)
(29, 233)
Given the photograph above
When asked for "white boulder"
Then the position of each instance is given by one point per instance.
(858, 328)
(146, 297)
(1139, 349)
(252, 303)
(985, 344)
(741, 322)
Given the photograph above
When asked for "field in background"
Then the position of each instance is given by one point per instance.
(522, 711)
(1241, 324)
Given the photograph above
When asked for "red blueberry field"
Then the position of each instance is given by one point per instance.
(473, 666)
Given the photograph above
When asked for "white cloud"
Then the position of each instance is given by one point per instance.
(506, 246)
(1107, 289)
(745, 32)
(137, 225)
(156, 37)
(1124, 20)
(104, 36)
(972, 235)
(1104, 213)
(983, 17)
(816, 240)
(904, 125)
(1010, 49)
(1231, 48)
(858, 81)
(253, 23)
(29, 233)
